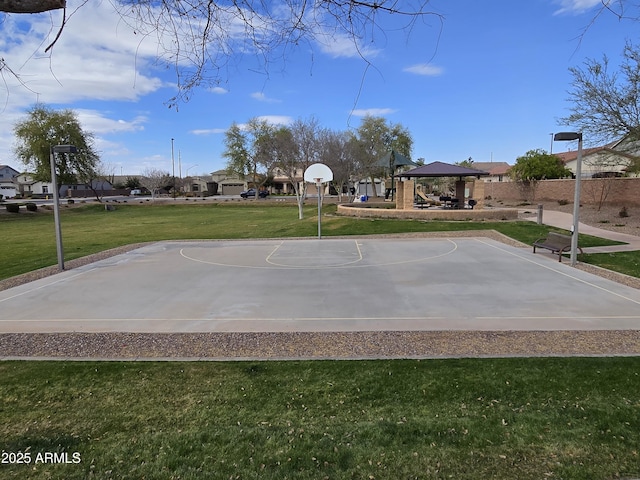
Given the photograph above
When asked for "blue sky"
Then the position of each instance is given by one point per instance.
(489, 82)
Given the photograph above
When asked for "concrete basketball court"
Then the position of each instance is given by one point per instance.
(359, 284)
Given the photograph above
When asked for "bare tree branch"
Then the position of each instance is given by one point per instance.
(30, 6)
(201, 39)
(603, 104)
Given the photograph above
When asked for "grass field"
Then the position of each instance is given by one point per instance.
(574, 418)
(524, 418)
(90, 229)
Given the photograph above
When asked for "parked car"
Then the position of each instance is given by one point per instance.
(252, 193)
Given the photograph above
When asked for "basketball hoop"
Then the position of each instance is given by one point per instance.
(318, 173)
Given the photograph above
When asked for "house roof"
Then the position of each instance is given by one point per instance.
(573, 154)
(494, 168)
(441, 169)
(2, 166)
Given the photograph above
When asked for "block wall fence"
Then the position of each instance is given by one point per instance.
(615, 191)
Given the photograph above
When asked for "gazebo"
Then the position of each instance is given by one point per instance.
(436, 169)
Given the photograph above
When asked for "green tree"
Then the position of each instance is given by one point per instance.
(45, 128)
(132, 183)
(534, 166)
(468, 163)
(249, 150)
(377, 138)
(538, 165)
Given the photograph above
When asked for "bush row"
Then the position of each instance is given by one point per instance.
(15, 208)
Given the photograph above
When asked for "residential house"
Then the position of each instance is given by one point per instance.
(498, 171)
(199, 185)
(612, 159)
(228, 184)
(282, 184)
(8, 187)
(97, 187)
(28, 186)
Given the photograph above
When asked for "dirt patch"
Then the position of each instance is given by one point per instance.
(614, 218)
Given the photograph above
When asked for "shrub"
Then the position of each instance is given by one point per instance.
(623, 213)
(71, 201)
(13, 208)
(32, 207)
(564, 201)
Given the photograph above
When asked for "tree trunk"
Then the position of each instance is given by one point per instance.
(299, 197)
(30, 6)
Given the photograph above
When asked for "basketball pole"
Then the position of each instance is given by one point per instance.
(318, 185)
(318, 173)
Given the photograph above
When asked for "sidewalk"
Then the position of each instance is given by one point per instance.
(565, 220)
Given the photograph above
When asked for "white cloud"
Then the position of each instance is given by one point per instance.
(575, 6)
(277, 119)
(209, 131)
(341, 45)
(96, 122)
(96, 57)
(261, 97)
(362, 112)
(219, 90)
(424, 69)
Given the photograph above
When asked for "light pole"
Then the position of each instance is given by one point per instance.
(567, 137)
(56, 197)
(173, 167)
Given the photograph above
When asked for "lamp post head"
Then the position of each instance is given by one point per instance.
(64, 149)
(567, 136)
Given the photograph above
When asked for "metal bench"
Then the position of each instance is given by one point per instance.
(556, 242)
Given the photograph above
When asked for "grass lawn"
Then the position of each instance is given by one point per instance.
(569, 418)
(536, 418)
(90, 229)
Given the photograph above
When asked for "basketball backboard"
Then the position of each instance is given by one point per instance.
(318, 173)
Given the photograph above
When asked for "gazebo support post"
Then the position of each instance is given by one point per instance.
(460, 189)
(404, 194)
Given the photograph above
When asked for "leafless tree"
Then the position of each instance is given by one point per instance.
(201, 40)
(335, 152)
(605, 104)
(154, 179)
(306, 140)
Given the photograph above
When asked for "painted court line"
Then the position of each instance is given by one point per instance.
(352, 264)
(573, 277)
